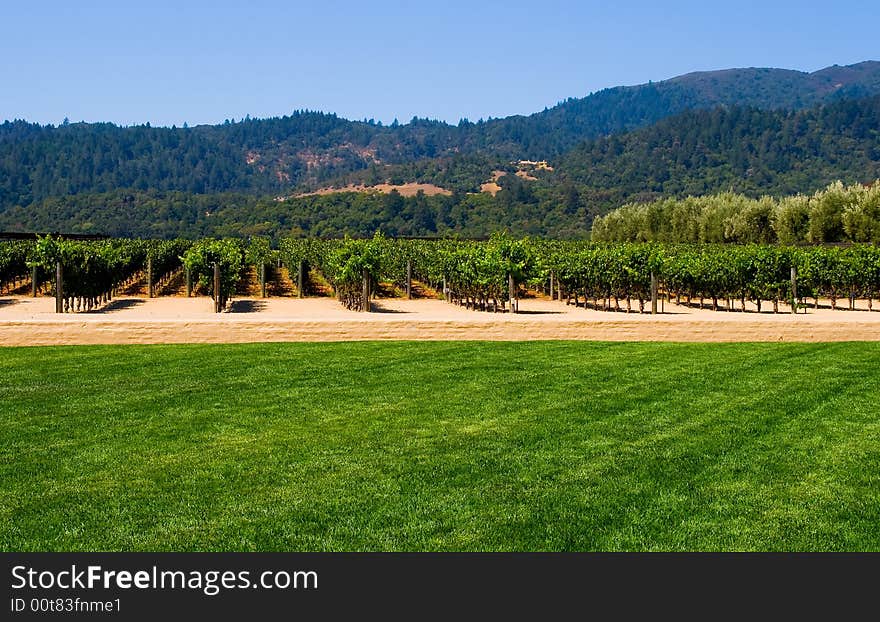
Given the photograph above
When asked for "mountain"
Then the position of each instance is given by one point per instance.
(747, 150)
(697, 152)
(554, 131)
(307, 149)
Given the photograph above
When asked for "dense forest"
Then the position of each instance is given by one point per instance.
(744, 149)
(735, 148)
(178, 214)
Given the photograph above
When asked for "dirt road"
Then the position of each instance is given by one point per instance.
(32, 321)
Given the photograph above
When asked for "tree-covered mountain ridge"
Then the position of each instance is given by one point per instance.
(746, 150)
(307, 149)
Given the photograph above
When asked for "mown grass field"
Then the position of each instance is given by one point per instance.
(441, 446)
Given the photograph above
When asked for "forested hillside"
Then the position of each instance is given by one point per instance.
(307, 149)
(745, 150)
(179, 214)
(554, 131)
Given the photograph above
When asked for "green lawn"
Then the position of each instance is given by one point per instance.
(441, 446)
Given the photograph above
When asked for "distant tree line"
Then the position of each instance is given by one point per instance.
(128, 213)
(836, 214)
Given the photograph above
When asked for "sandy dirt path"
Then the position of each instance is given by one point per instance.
(32, 321)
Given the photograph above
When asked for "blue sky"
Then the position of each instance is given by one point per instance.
(202, 62)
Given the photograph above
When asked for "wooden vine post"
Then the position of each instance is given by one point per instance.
(263, 280)
(365, 299)
(512, 291)
(217, 305)
(34, 282)
(551, 285)
(408, 279)
(59, 288)
(794, 295)
(149, 277)
(299, 279)
(653, 294)
(189, 283)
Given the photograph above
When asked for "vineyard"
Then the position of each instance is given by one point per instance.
(488, 276)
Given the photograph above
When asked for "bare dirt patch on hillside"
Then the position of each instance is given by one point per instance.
(410, 189)
(492, 186)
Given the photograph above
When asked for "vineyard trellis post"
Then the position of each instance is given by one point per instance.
(149, 277)
(408, 279)
(59, 288)
(551, 285)
(217, 307)
(511, 287)
(34, 282)
(365, 300)
(653, 293)
(263, 279)
(189, 283)
(299, 280)
(794, 295)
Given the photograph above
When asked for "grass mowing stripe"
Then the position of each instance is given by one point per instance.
(441, 446)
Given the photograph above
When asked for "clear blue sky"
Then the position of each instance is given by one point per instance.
(202, 62)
